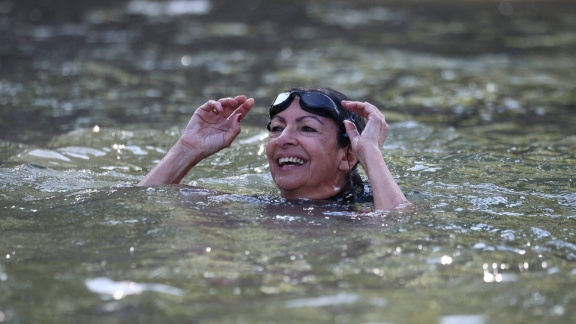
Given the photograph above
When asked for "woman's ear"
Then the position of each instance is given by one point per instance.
(348, 160)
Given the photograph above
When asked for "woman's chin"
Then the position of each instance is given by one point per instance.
(290, 189)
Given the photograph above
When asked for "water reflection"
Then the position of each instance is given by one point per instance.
(169, 8)
(120, 289)
(469, 319)
(342, 298)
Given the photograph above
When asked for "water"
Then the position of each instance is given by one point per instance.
(480, 98)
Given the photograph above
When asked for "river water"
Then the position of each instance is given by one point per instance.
(480, 96)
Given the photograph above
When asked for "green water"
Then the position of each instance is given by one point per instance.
(480, 97)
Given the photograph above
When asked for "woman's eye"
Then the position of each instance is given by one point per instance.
(308, 129)
(275, 129)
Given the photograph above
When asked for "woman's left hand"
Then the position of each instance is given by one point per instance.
(367, 148)
(374, 134)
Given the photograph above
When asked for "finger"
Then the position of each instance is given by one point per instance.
(232, 103)
(244, 107)
(229, 105)
(212, 106)
(221, 105)
(364, 109)
(227, 101)
(351, 131)
(240, 98)
(225, 104)
(233, 130)
(236, 117)
(235, 127)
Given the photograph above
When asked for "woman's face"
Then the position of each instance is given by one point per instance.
(304, 156)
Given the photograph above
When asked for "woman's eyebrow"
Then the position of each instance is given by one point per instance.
(279, 118)
(299, 119)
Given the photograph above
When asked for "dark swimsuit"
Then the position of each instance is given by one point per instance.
(351, 196)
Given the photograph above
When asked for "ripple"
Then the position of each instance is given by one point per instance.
(169, 8)
(458, 319)
(568, 200)
(323, 301)
(120, 289)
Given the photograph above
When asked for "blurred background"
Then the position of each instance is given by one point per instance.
(67, 64)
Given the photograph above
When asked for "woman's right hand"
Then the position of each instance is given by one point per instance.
(215, 124)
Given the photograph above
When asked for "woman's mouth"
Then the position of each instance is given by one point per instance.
(287, 161)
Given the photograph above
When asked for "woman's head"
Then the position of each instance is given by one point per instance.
(320, 101)
(308, 149)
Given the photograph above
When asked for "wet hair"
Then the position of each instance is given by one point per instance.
(354, 185)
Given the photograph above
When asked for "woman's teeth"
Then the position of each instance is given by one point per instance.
(290, 160)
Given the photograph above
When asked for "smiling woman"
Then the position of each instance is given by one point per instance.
(317, 139)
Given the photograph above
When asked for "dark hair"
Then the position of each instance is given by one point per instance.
(354, 186)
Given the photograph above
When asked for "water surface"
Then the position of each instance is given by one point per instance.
(480, 98)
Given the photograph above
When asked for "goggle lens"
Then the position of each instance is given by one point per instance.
(280, 99)
(318, 100)
(314, 102)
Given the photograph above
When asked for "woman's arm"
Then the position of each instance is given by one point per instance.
(367, 148)
(212, 128)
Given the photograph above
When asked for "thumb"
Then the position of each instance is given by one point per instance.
(233, 129)
(235, 120)
(351, 130)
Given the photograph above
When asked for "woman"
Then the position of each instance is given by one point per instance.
(317, 138)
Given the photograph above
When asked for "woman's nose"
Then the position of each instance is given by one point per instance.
(287, 137)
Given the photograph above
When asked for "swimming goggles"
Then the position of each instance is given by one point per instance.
(317, 103)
